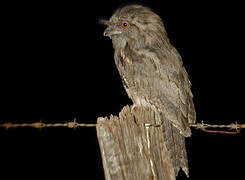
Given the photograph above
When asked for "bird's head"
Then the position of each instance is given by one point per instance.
(136, 25)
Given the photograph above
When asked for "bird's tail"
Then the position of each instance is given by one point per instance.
(175, 143)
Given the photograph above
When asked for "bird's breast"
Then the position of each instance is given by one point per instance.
(125, 58)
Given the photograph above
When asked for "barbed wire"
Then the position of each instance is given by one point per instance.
(233, 128)
(39, 125)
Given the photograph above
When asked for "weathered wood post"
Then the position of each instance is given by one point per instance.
(131, 148)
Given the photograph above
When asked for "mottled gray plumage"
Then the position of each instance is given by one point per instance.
(152, 73)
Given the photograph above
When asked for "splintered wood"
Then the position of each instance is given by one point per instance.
(133, 149)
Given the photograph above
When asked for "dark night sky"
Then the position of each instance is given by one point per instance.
(56, 66)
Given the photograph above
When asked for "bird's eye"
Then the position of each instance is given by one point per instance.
(125, 25)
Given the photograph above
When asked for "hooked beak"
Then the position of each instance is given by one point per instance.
(111, 32)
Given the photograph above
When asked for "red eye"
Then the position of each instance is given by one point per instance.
(125, 25)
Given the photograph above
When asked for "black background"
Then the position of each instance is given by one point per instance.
(56, 66)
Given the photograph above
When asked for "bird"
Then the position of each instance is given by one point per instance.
(152, 72)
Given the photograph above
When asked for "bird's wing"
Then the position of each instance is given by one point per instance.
(172, 92)
(161, 80)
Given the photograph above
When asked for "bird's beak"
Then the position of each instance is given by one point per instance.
(111, 32)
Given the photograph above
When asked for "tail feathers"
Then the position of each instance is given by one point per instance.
(175, 143)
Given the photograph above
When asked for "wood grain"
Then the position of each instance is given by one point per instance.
(133, 150)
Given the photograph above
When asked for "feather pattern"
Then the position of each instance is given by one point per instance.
(153, 74)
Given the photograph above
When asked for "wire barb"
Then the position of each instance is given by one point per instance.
(233, 128)
(39, 125)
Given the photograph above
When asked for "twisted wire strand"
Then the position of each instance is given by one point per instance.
(233, 128)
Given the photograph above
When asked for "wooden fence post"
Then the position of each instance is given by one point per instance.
(131, 150)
